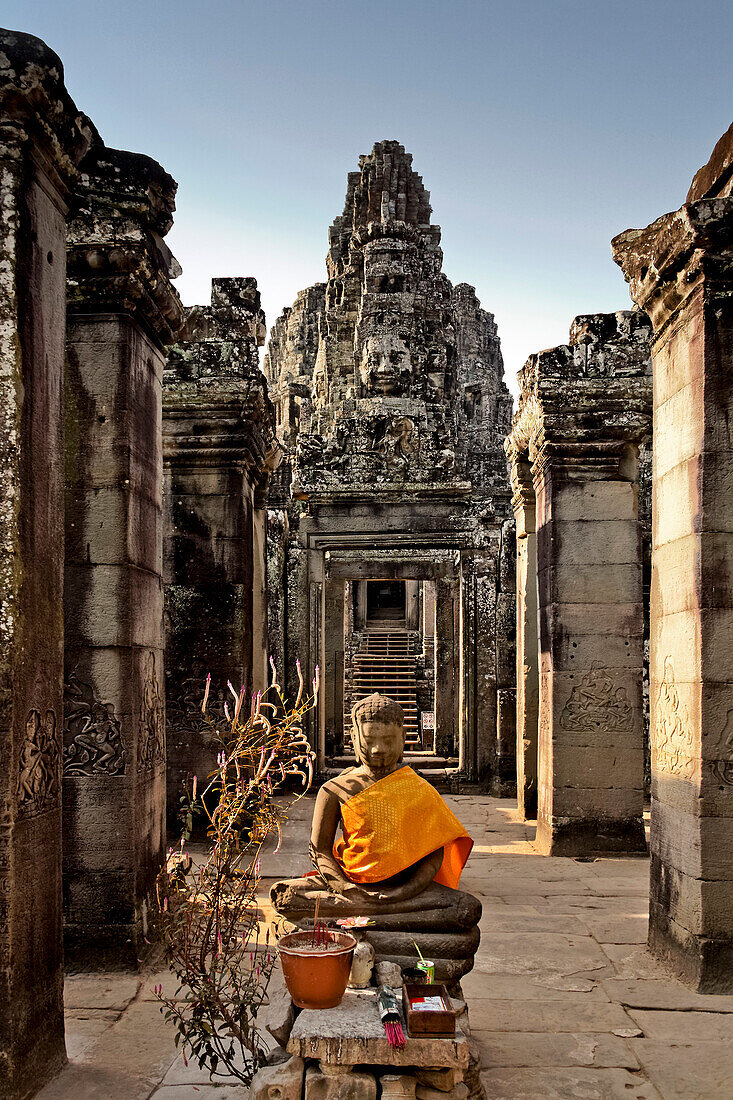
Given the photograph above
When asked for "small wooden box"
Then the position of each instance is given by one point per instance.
(439, 1021)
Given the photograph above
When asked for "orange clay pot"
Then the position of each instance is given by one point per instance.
(315, 977)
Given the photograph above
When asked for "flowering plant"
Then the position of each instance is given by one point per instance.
(209, 915)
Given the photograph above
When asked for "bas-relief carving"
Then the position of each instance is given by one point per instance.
(183, 709)
(596, 705)
(398, 442)
(92, 735)
(39, 782)
(152, 732)
(722, 765)
(672, 746)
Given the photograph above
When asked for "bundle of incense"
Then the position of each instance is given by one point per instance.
(389, 1011)
(321, 935)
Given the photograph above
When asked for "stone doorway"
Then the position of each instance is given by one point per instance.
(389, 646)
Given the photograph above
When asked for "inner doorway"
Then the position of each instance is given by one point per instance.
(386, 603)
(390, 648)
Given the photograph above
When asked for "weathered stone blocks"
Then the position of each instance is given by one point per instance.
(584, 412)
(679, 270)
(219, 448)
(122, 309)
(42, 138)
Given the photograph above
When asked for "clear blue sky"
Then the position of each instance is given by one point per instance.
(541, 127)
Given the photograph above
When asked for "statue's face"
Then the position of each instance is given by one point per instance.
(385, 364)
(379, 745)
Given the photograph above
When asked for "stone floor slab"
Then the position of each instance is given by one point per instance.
(105, 991)
(575, 1014)
(525, 953)
(626, 929)
(563, 1084)
(684, 1027)
(83, 1029)
(698, 1071)
(666, 993)
(520, 987)
(592, 1049)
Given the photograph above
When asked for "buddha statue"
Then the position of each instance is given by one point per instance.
(385, 845)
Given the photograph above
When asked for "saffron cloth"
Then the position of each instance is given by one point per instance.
(394, 823)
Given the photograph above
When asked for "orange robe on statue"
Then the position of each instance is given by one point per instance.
(394, 823)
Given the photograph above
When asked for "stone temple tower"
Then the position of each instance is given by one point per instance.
(394, 507)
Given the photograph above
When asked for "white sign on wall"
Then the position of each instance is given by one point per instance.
(428, 720)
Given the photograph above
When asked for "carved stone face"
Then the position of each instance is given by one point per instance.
(379, 745)
(385, 364)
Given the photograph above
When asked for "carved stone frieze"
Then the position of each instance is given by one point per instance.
(92, 734)
(151, 739)
(596, 705)
(722, 765)
(39, 778)
(672, 742)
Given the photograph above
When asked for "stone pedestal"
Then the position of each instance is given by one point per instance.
(39, 147)
(121, 310)
(218, 449)
(353, 1035)
(680, 272)
(584, 410)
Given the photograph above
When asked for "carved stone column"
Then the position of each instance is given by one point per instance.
(478, 661)
(122, 309)
(527, 642)
(504, 777)
(40, 144)
(332, 671)
(584, 409)
(681, 271)
(447, 679)
(218, 449)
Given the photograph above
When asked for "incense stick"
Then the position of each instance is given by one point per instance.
(315, 922)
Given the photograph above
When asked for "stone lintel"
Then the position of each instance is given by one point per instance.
(217, 429)
(670, 260)
(117, 261)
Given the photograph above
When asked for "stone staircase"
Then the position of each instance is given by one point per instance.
(386, 665)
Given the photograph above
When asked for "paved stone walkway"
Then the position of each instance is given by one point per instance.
(564, 1001)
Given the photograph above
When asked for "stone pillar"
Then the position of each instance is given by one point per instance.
(428, 616)
(591, 765)
(277, 586)
(583, 410)
(40, 144)
(412, 605)
(218, 438)
(478, 662)
(527, 643)
(681, 273)
(504, 770)
(447, 681)
(121, 309)
(260, 625)
(332, 672)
